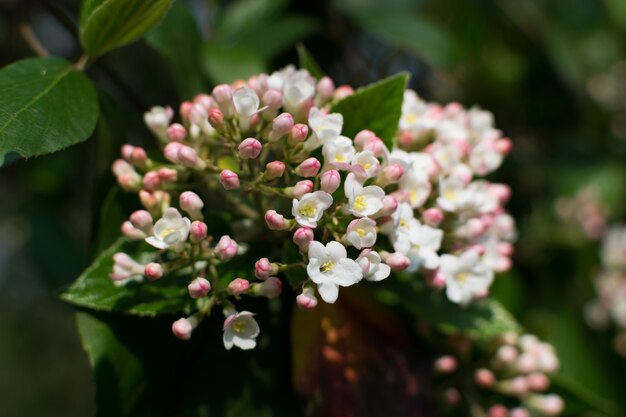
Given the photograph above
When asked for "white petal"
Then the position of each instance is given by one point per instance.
(317, 251)
(159, 244)
(328, 291)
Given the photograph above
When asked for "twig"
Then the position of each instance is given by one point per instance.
(31, 39)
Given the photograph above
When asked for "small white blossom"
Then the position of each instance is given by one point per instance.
(297, 88)
(485, 158)
(170, 230)
(372, 267)
(466, 276)
(364, 201)
(325, 127)
(361, 233)
(309, 209)
(241, 330)
(338, 153)
(276, 80)
(457, 197)
(246, 102)
(329, 267)
(365, 165)
(419, 242)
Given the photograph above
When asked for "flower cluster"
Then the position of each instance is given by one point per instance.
(610, 285)
(270, 151)
(511, 382)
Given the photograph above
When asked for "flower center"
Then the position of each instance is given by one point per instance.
(449, 195)
(462, 277)
(340, 158)
(307, 210)
(327, 266)
(165, 233)
(411, 118)
(360, 203)
(239, 326)
(367, 166)
(360, 231)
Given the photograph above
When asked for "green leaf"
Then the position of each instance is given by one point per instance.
(480, 321)
(308, 63)
(280, 35)
(109, 24)
(178, 39)
(245, 16)
(93, 289)
(225, 64)
(45, 105)
(376, 107)
(578, 398)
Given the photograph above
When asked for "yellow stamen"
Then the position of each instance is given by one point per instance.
(327, 266)
(340, 158)
(462, 277)
(359, 203)
(307, 210)
(449, 195)
(360, 231)
(239, 326)
(165, 233)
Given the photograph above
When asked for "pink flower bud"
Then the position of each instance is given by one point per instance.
(154, 201)
(445, 364)
(330, 181)
(275, 221)
(506, 354)
(308, 168)
(223, 96)
(325, 88)
(521, 412)
(176, 132)
(303, 237)
(273, 99)
(182, 329)
(281, 126)
(229, 180)
(198, 231)
(138, 157)
(402, 196)
(462, 172)
(271, 288)
(501, 191)
(204, 100)
(515, 386)
(375, 146)
(131, 232)
(238, 286)
(452, 396)
(189, 157)
(127, 151)
(274, 170)
(438, 280)
(263, 269)
(250, 148)
(392, 173)
(216, 119)
(299, 132)
(307, 300)
(301, 188)
(538, 381)
(167, 174)
(153, 271)
(171, 152)
(390, 204)
(498, 410)
(226, 248)
(550, 405)
(184, 109)
(142, 220)
(362, 138)
(192, 204)
(151, 180)
(433, 216)
(199, 287)
(397, 261)
(484, 378)
(504, 145)
(342, 92)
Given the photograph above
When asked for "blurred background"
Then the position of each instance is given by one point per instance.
(552, 72)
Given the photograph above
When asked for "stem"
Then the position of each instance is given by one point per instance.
(31, 39)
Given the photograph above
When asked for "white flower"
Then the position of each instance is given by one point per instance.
(325, 127)
(365, 165)
(470, 199)
(372, 267)
(338, 153)
(419, 242)
(413, 108)
(241, 330)
(361, 233)
(418, 186)
(170, 230)
(466, 277)
(297, 88)
(329, 267)
(246, 102)
(364, 201)
(485, 158)
(309, 209)
(158, 119)
(276, 81)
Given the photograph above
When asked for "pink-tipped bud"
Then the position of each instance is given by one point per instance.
(484, 378)
(226, 248)
(216, 119)
(171, 152)
(151, 180)
(131, 232)
(504, 145)
(299, 132)
(229, 180)
(392, 173)
(273, 99)
(390, 204)
(342, 92)
(362, 138)
(498, 410)
(199, 287)
(475, 228)
(506, 354)
(403, 196)
(238, 286)
(462, 172)
(223, 96)
(521, 412)
(438, 280)
(375, 146)
(127, 151)
(182, 329)
(198, 231)
(433, 216)
(189, 157)
(275, 221)
(500, 191)
(308, 168)
(452, 396)
(303, 237)
(204, 100)
(176, 132)
(515, 386)
(307, 300)
(192, 204)
(538, 381)
(274, 170)
(550, 405)
(325, 88)
(142, 220)
(153, 271)
(301, 188)
(270, 288)
(263, 269)
(138, 157)
(167, 175)
(250, 148)
(397, 261)
(184, 109)
(330, 181)
(445, 364)
(281, 126)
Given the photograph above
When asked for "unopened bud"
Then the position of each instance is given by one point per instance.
(308, 168)
(538, 381)
(325, 89)
(270, 288)
(281, 126)
(397, 261)
(167, 174)
(362, 138)
(433, 216)
(438, 280)
(445, 364)
(299, 132)
(223, 96)
(301, 188)
(250, 148)
(330, 181)
(204, 100)
(390, 204)
(274, 170)
(303, 237)
(238, 286)
(520, 412)
(342, 92)
(192, 204)
(263, 269)
(151, 180)
(375, 146)
(550, 405)
(392, 173)
(498, 410)
(226, 248)
(153, 271)
(307, 300)
(273, 99)
(189, 157)
(182, 328)
(142, 220)
(131, 232)
(484, 378)
(184, 109)
(452, 396)
(229, 180)
(199, 287)
(171, 152)
(176, 132)
(504, 145)
(275, 221)
(198, 231)
(216, 119)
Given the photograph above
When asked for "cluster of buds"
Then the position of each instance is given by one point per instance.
(610, 285)
(511, 381)
(271, 151)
